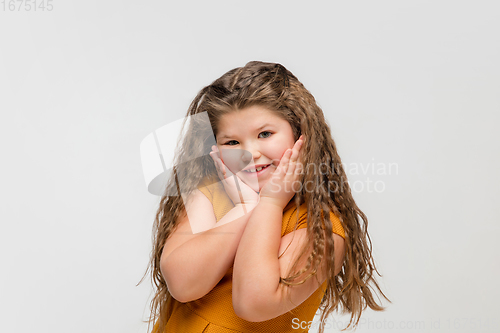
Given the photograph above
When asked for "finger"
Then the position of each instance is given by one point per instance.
(221, 164)
(295, 155)
(217, 167)
(292, 163)
(225, 169)
(297, 158)
(283, 167)
(295, 151)
(218, 164)
(299, 143)
(213, 154)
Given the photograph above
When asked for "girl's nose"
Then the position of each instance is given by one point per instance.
(254, 153)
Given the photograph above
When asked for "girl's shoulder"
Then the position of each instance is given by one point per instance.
(291, 213)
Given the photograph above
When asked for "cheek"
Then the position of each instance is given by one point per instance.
(284, 145)
(277, 153)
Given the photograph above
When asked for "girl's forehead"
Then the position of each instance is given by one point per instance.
(251, 115)
(250, 120)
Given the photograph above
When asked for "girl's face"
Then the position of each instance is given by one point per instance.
(252, 138)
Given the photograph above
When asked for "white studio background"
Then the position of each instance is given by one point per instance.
(411, 90)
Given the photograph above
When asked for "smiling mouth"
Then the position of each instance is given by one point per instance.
(257, 169)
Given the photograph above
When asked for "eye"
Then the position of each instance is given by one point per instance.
(266, 135)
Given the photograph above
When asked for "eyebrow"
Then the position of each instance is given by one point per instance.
(258, 129)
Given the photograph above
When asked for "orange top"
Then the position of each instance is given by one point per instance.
(214, 312)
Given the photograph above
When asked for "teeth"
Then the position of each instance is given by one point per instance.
(255, 170)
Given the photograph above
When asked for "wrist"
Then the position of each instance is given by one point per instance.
(245, 208)
(273, 202)
(246, 204)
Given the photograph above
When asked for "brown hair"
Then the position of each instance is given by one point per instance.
(274, 87)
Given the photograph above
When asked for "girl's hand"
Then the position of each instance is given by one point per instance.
(284, 182)
(232, 182)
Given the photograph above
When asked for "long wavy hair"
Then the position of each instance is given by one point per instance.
(272, 86)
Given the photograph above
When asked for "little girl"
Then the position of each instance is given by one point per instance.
(264, 231)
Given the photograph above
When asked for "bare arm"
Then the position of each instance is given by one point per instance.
(193, 264)
(257, 292)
